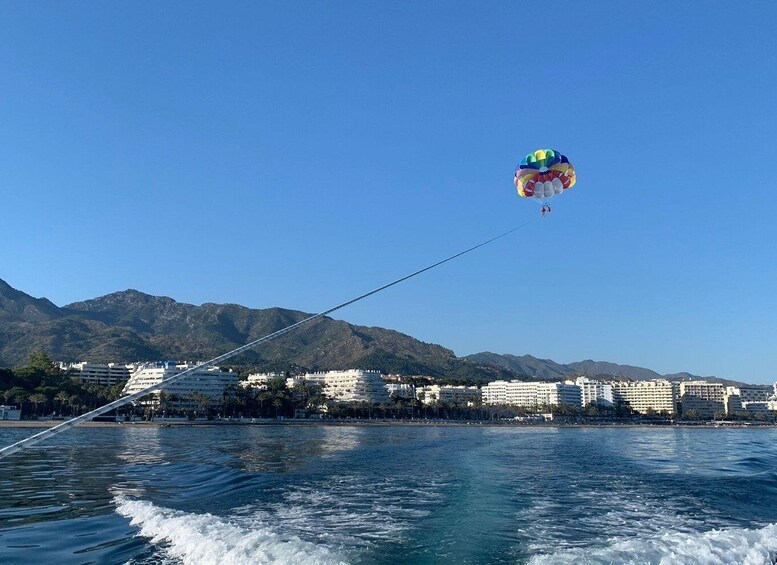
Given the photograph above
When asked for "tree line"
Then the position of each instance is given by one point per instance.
(40, 388)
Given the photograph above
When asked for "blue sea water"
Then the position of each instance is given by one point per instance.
(393, 494)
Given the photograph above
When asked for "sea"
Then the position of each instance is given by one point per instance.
(330, 494)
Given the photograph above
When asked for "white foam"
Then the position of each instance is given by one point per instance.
(738, 546)
(196, 539)
(350, 514)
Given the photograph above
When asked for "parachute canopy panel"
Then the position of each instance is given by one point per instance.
(544, 174)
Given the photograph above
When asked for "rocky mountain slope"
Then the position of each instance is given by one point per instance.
(550, 370)
(132, 326)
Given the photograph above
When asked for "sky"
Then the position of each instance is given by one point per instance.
(296, 154)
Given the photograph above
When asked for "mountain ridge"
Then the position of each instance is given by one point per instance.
(549, 369)
(131, 325)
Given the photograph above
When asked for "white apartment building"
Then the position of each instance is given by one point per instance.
(594, 392)
(531, 394)
(353, 385)
(753, 393)
(97, 373)
(745, 398)
(643, 396)
(704, 398)
(448, 394)
(260, 380)
(295, 381)
(756, 406)
(210, 383)
(401, 390)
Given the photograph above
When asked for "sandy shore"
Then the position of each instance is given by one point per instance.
(52, 423)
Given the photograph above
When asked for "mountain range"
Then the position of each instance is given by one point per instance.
(133, 326)
(548, 369)
(130, 326)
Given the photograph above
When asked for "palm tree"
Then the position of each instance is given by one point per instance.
(63, 398)
(478, 406)
(37, 399)
(163, 398)
(399, 407)
(203, 401)
(435, 405)
(385, 407)
(74, 401)
(278, 402)
(174, 403)
(16, 395)
(421, 397)
(262, 397)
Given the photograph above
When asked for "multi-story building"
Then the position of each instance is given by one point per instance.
(400, 390)
(594, 392)
(732, 402)
(447, 394)
(531, 394)
(296, 381)
(553, 394)
(645, 396)
(495, 392)
(745, 398)
(353, 385)
(750, 393)
(261, 380)
(756, 406)
(205, 386)
(97, 373)
(703, 398)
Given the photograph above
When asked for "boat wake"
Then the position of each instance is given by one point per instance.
(738, 546)
(193, 539)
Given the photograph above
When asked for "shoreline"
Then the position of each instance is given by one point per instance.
(384, 423)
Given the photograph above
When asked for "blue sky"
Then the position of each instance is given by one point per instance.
(296, 154)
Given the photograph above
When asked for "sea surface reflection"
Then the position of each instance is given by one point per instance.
(390, 494)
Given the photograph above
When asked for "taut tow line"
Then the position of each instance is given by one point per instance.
(27, 442)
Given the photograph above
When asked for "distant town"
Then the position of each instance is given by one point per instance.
(47, 390)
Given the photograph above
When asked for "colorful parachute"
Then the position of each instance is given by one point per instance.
(543, 174)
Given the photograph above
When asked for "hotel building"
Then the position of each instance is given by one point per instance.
(400, 390)
(447, 394)
(261, 380)
(353, 385)
(704, 398)
(745, 399)
(644, 396)
(594, 392)
(531, 394)
(96, 373)
(210, 383)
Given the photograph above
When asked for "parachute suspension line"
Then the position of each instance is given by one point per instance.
(13, 448)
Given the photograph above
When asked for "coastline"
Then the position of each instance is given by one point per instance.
(385, 423)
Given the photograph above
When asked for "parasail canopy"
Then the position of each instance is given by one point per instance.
(544, 174)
